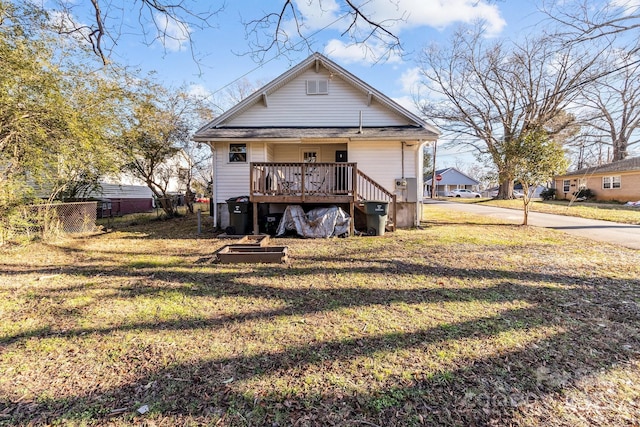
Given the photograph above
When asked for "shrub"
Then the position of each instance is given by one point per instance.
(585, 193)
(548, 194)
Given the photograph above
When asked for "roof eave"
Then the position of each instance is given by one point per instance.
(313, 60)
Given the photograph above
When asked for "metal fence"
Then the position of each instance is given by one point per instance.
(46, 220)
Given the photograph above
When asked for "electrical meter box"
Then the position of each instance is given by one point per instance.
(401, 183)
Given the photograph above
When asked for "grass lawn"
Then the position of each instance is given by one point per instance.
(467, 321)
(602, 211)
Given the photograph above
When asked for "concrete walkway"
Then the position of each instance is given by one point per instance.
(627, 235)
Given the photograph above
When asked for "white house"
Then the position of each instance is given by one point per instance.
(450, 179)
(318, 135)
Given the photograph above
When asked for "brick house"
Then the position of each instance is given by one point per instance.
(619, 181)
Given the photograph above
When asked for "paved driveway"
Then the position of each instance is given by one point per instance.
(604, 231)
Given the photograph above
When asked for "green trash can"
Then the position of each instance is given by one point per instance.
(240, 215)
(377, 212)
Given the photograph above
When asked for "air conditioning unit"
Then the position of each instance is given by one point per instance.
(401, 183)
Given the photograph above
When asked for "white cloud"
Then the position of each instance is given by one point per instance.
(65, 22)
(351, 53)
(401, 14)
(173, 35)
(318, 13)
(396, 15)
(409, 79)
(199, 91)
(439, 13)
(408, 103)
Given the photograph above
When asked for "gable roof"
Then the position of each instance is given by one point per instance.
(452, 176)
(217, 129)
(626, 165)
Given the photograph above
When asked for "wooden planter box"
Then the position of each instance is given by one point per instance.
(252, 254)
(261, 240)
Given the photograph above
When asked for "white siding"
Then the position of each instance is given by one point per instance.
(291, 106)
(382, 161)
(233, 178)
(270, 153)
(257, 152)
(293, 152)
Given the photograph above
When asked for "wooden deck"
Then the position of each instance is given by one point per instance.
(303, 182)
(310, 183)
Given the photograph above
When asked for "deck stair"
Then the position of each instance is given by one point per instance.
(368, 189)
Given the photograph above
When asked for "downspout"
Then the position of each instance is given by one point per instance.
(214, 184)
(434, 183)
(420, 186)
(402, 158)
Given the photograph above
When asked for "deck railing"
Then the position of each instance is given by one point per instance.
(287, 182)
(368, 189)
(303, 179)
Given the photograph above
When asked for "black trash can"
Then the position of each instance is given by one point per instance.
(240, 215)
(271, 223)
(377, 212)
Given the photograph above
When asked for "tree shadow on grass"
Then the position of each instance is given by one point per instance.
(295, 299)
(481, 390)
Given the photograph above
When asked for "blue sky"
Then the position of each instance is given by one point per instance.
(424, 21)
(219, 63)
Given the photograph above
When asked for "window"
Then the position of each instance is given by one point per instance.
(309, 156)
(317, 87)
(611, 182)
(617, 181)
(566, 185)
(237, 153)
(582, 183)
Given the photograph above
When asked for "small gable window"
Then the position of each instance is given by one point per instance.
(237, 153)
(318, 87)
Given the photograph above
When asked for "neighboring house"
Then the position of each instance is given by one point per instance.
(614, 181)
(318, 135)
(452, 179)
(534, 192)
(118, 199)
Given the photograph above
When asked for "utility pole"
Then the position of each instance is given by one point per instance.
(434, 183)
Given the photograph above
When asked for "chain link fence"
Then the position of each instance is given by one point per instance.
(48, 220)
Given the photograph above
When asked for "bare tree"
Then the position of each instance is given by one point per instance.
(581, 21)
(173, 22)
(610, 127)
(489, 94)
(233, 93)
(271, 31)
(615, 104)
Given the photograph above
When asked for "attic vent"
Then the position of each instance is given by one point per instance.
(317, 87)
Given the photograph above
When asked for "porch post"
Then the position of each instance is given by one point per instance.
(395, 212)
(255, 218)
(352, 225)
(354, 197)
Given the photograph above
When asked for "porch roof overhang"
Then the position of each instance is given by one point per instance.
(297, 134)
